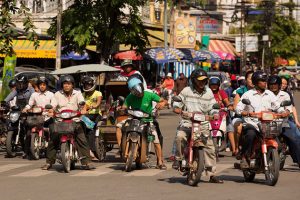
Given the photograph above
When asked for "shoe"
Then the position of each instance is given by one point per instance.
(161, 167)
(215, 179)
(244, 164)
(46, 166)
(88, 167)
(176, 164)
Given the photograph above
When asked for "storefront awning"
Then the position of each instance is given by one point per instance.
(222, 46)
(25, 49)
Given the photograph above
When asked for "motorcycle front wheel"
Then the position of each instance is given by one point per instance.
(10, 144)
(272, 174)
(34, 146)
(197, 167)
(65, 156)
(129, 160)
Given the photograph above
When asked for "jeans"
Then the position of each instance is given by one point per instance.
(292, 136)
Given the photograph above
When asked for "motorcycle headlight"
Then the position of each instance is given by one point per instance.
(267, 116)
(14, 116)
(199, 117)
(67, 115)
(137, 113)
(36, 110)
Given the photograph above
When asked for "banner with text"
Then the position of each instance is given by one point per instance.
(8, 74)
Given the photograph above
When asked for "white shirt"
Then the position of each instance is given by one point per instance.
(62, 102)
(40, 99)
(284, 96)
(266, 101)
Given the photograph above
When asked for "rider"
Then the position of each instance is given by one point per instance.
(142, 100)
(196, 97)
(291, 133)
(261, 100)
(68, 98)
(168, 85)
(222, 98)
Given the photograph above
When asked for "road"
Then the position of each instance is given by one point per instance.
(23, 179)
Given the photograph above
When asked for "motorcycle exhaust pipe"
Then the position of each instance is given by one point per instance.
(264, 150)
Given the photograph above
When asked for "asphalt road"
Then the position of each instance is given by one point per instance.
(23, 179)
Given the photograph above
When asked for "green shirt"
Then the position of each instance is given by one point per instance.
(144, 103)
(242, 90)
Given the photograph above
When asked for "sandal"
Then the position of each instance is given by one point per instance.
(88, 167)
(215, 179)
(161, 166)
(46, 166)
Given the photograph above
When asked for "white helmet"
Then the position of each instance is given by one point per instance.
(88, 83)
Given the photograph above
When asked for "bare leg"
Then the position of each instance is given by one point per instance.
(232, 142)
(159, 155)
(119, 136)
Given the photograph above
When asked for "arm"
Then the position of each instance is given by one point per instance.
(236, 100)
(11, 96)
(31, 102)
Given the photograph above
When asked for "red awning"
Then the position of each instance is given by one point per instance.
(131, 55)
(222, 46)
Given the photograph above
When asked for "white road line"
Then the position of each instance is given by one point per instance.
(33, 173)
(144, 172)
(100, 170)
(8, 167)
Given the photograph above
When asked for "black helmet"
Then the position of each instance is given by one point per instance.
(259, 76)
(135, 85)
(12, 83)
(274, 79)
(42, 79)
(198, 74)
(214, 81)
(67, 78)
(21, 82)
(88, 83)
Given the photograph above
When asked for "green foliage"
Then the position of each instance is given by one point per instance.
(104, 23)
(7, 27)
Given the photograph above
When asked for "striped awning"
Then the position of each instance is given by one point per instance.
(222, 46)
(25, 49)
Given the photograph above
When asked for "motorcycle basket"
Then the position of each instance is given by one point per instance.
(35, 121)
(270, 130)
(64, 127)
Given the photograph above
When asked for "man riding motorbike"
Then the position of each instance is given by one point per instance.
(142, 100)
(261, 99)
(68, 98)
(222, 98)
(196, 97)
(291, 133)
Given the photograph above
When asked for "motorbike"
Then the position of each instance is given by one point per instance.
(4, 109)
(35, 123)
(136, 136)
(218, 131)
(16, 134)
(265, 148)
(194, 164)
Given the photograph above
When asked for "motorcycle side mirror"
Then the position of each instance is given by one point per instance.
(246, 101)
(286, 103)
(216, 106)
(15, 108)
(177, 99)
(82, 103)
(48, 106)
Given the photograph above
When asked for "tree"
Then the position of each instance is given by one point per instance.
(8, 29)
(104, 23)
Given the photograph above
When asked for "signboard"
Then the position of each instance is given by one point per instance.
(8, 74)
(207, 24)
(251, 44)
(185, 32)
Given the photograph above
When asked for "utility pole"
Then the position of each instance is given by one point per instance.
(58, 35)
(165, 25)
(243, 38)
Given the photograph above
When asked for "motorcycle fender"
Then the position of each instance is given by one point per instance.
(272, 143)
(63, 138)
(134, 137)
(143, 150)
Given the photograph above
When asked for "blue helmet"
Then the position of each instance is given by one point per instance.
(135, 86)
(214, 80)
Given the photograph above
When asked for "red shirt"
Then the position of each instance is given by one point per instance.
(220, 96)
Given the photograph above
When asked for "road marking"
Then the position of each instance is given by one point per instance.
(11, 166)
(33, 173)
(148, 172)
(222, 167)
(104, 169)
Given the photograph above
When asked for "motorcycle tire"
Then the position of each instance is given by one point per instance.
(272, 174)
(65, 156)
(282, 158)
(249, 175)
(100, 149)
(194, 174)
(129, 160)
(34, 147)
(10, 144)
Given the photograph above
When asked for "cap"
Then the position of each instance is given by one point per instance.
(201, 78)
(126, 62)
(169, 74)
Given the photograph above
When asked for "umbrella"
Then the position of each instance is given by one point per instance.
(131, 55)
(225, 56)
(85, 68)
(75, 56)
(210, 55)
(193, 55)
(161, 55)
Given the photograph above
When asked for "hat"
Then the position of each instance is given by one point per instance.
(241, 78)
(126, 62)
(169, 75)
(201, 78)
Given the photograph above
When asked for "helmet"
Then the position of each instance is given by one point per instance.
(126, 63)
(274, 80)
(67, 78)
(42, 79)
(259, 76)
(214, 81)
(89, 83)
(198, 74)
(12, 83)
(135, 86)
(21, 82)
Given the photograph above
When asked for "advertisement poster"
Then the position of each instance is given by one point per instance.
(185, 32)
(206, 24)
(8, 74)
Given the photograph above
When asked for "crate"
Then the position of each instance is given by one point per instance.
(109, 134)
